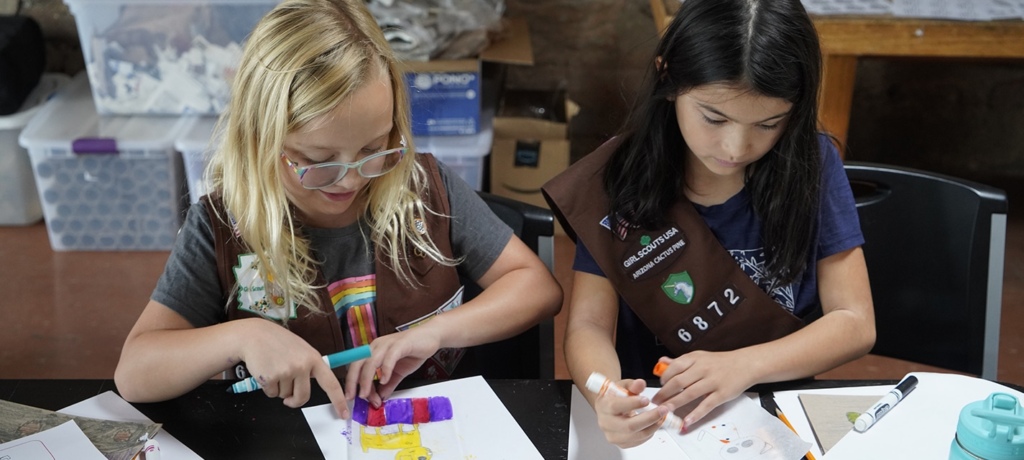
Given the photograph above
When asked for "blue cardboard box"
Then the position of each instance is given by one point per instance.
(445, 101)
(445, 94)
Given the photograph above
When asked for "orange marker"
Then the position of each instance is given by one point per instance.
(660, 368)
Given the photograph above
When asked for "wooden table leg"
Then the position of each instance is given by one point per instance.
(840, 72)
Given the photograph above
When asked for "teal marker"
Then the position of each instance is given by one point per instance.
(334, 360)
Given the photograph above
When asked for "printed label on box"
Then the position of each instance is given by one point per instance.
(444, 103)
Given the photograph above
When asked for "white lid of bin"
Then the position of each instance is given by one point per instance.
(69, 124)
(197, 135)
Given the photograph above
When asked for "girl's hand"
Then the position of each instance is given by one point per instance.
(717, 377)
(283, 364)
(393, 357)
(615, 416)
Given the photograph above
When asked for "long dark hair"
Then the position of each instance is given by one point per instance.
(768, 46)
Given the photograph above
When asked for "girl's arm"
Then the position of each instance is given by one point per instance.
(845, 332)
(590, 331)
(590, 347)
(518, 292)
(164, 357)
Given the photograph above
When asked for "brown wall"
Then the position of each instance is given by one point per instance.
(959, 117)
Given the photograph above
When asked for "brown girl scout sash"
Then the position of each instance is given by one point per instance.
(679, 280)
(398, 305)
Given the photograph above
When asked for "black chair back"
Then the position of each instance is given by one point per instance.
(934, 249)
(529, 355)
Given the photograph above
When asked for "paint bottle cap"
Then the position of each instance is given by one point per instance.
(660, 368)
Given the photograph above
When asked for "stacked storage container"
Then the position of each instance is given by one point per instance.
(465, 154)
(105, 183)
(105, 166)
(196, 144)
(19, 200)
(168, 57)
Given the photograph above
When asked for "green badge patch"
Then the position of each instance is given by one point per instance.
(679, 287)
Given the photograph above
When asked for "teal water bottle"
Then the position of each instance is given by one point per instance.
(990, 429)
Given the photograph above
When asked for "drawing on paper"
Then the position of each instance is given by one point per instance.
(730, 445)
(405, 429)
(741, 430)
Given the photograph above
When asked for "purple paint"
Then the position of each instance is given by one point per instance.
(359, 410)
(398, 411)
(440, 408)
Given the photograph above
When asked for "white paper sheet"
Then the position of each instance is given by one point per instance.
(737, 429)
(485, 427)
(110, 406)
(920, 426)
(63, 442)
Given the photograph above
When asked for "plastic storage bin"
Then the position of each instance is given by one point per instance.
(105, 183)
(464, 155)
(196, 145)
(19, 200)
(163, 56)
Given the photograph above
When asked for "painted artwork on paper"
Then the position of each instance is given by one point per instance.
(404, 429)
(741, 430)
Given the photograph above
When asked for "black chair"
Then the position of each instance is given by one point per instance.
(934, 248)
(529, 355)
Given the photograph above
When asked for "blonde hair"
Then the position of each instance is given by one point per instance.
(299, 63)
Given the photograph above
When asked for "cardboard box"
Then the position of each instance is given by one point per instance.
(445, 95)
(531, 143)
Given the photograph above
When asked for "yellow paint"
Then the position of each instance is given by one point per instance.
(407, 442)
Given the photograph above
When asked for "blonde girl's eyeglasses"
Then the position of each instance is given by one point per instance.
(322, 175)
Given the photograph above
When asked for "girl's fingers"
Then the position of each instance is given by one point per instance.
(270, 388)
(329, 383)
(300, 393)
(704, 408)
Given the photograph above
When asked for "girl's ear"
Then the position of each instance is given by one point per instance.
(661, 67)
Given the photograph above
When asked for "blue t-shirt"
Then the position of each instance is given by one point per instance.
(736, 226)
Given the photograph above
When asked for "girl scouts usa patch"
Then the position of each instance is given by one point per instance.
(648, 253)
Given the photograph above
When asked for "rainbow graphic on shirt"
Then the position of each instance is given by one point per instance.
(354, 299)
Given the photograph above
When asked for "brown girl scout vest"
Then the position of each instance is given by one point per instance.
(678, 279)
(397, 303)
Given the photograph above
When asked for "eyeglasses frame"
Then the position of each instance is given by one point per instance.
(357, 165)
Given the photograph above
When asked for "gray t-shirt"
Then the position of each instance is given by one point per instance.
(190, 286)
